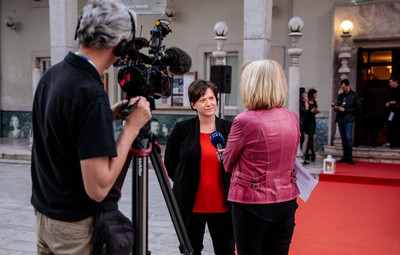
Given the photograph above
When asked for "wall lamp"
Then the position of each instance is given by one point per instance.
(346, 27)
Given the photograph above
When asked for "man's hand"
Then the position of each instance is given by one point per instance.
(341, 109)
(140, 114)
(117, 109)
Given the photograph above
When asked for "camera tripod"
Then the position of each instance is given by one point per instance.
(145, 145)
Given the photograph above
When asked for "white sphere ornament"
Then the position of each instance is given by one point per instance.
(221, 28)
(296, 24)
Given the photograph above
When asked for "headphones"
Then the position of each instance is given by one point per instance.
(122, 48)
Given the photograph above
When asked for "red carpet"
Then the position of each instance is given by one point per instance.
(348, 219)
(344, 218)
(366, 173)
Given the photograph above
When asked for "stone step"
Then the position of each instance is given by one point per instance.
(365, 153)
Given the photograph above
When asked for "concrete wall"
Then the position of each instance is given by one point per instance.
(193, 32)
(19, 48)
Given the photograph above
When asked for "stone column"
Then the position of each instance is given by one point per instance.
(257, 29)
(344, 70)
(296, 24)
(36, 75)
(63, 21)
(221, 30)
(344, 55)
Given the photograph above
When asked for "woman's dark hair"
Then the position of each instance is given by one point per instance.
(302, 90)
(310, 95)
(198, 88)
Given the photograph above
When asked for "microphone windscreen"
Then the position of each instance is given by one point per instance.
(217, 138)
(179, 61)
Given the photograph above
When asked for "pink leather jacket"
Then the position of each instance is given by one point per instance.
(260, 154)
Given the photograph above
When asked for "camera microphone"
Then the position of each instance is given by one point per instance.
(179, 62)
(218, 142)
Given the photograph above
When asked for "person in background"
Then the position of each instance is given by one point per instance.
(75, 158)
(393, 105)
(303, 104)
(375, 108)
(347, 107)
(200, 182)
(310, 124)
(260, 154)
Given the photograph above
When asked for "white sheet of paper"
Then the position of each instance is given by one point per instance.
(305, 182)
(391, 116)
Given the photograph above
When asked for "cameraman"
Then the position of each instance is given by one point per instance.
(75, 159)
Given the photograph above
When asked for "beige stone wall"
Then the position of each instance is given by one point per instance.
(19, 48)
(193, 32)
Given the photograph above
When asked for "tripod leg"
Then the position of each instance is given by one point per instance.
(140, 204)
(185, 246)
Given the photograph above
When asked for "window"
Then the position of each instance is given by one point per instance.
(377, 63)
(231, 60)
(43, 63)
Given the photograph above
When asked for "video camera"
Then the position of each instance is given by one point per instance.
(151, 75)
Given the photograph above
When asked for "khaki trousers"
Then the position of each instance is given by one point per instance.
(58, 237)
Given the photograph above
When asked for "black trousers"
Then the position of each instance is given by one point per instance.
(270, 233)
(221, 232)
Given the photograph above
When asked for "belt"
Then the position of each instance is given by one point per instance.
(248, 178)
(255, 182)
(248, 184)
(249, 181)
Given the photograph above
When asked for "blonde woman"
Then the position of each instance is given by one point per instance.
(260, 154)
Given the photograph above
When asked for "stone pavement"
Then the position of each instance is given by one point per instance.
(17, 221)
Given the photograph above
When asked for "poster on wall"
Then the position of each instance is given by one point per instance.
(177, 87)
(188, 78)
(163, 101)
(179, 91)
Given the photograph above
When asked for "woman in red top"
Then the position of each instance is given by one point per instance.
(200, 182)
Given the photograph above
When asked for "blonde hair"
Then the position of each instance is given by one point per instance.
(263, 85)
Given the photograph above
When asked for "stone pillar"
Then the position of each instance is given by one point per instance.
(296, 24)
(344, 70)
(221, 30)
(63, 21)
(257, 29)
(36, 75)
(344, 55)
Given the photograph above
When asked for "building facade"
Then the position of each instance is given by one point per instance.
(35, 34)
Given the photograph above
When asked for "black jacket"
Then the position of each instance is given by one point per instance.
(182, 161)
(351, 103)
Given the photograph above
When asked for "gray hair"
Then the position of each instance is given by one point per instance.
(104, 23)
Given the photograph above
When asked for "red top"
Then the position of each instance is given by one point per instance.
(210, 197)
